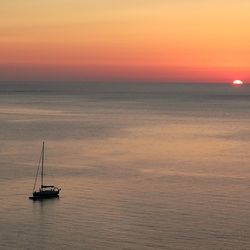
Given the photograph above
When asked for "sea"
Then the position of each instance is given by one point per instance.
(142, 166)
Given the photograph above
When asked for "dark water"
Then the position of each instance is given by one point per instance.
(140, 166)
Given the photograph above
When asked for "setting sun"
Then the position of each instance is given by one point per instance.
(237, 82)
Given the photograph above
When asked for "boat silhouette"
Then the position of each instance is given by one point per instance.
(44, 191)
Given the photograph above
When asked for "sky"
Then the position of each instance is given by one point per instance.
(117, 40)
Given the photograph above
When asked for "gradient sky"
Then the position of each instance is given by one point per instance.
(133, 40)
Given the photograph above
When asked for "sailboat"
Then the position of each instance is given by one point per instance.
(45, 191)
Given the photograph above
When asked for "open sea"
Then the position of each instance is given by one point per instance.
(141, 166)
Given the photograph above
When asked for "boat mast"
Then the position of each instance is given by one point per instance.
(42, 166)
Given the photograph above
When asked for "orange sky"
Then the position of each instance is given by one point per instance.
(134, 40)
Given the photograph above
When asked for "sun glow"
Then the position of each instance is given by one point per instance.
(237, 82)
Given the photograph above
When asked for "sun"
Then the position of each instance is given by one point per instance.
(237, 82)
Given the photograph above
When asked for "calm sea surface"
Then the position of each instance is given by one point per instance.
(140, 166)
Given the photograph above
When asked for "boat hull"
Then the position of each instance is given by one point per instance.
(34, 198)
(45, 194)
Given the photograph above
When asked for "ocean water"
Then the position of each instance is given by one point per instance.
(141, 166)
